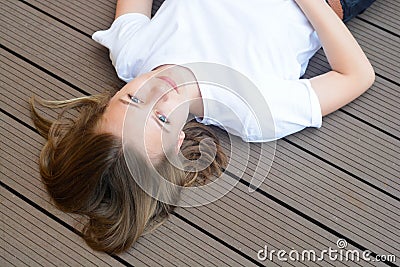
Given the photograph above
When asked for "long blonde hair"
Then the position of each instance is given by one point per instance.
(85, 172)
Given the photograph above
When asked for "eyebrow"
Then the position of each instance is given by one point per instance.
(123, 101)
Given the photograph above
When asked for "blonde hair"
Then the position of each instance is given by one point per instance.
(85, 172)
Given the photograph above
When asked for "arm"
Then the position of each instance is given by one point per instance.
(133, 6)
(352, 73)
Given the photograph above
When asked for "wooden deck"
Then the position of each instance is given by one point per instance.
(340, 181)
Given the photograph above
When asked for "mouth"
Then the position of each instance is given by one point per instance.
(170, 82)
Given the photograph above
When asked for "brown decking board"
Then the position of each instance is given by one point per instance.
(253, 220)
(343, 176)
(392, 121)
(384, 14)
(57, 48)
(38, 85)
(21, 175)
(354, 146)
(21, 159)
(83, 54)
(89, 16)
(378, 106)
(317, 189)
(41, 239)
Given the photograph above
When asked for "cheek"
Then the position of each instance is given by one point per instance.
(178, 109)
(152, 140)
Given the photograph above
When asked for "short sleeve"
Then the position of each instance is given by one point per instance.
(121, 31)
(294, 105)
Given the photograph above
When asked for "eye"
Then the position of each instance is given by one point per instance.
(134, 99)
(162, 117)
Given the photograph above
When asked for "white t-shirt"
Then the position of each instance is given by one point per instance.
(268, 42)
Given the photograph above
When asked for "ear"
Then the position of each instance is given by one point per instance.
(181, 137)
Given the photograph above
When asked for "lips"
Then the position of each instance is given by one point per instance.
(170, 82)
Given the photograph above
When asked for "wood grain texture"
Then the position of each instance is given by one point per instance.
(338, 181)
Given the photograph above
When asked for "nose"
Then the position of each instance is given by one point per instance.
(158, 92)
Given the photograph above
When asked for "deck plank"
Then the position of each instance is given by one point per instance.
(380, 46)
(238, 229)
(26, 117)
(378, 106)
(90, 18)
(360, 139)
(87, 15)
(354, 146)
(37, 85)
(13, 257)
(37, 231)
(23, 156)
(100, 61)
(317, 189)
(249, 221)
(20, 173)
(280, 230)
(57, 48)
(384, 14)
(388, 123)
(28, 248)
(87, 53)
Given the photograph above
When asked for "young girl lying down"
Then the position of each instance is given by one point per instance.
(233, 64)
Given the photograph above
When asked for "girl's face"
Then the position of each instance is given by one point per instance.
(149, 112)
